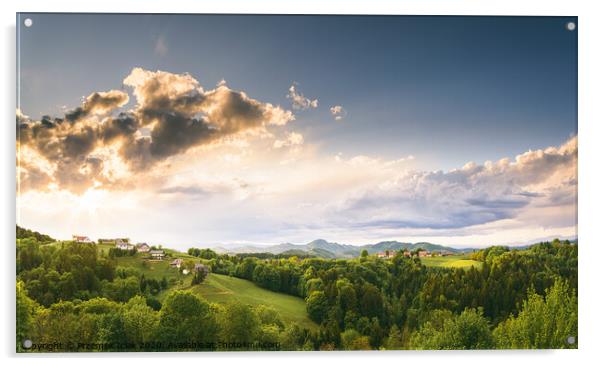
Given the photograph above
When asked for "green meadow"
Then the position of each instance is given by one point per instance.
(221, 288)
(453, 261)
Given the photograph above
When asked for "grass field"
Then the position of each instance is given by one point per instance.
(453, 261)
(222, 289)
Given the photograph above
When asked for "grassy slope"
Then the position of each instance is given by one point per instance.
(453, 261)
(220, 288)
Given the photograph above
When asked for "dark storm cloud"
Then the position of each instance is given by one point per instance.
(123, 125)
(98, 103)
(174, 110)
(183, 115)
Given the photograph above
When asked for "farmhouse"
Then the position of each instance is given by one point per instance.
(142, 248)
(177, 263)
(81, 239)
(424, 253)
(157, 254)
(386, 254)
(407, 253)
(123, 245)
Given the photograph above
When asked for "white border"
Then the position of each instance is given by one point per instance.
(590, 207)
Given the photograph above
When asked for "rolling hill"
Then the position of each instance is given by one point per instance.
(325, 249)
(221, 289)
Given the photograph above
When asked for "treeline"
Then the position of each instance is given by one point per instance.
(210, 254)
(185, 322)
(23, 233)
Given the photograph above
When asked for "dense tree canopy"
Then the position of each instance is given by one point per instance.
(72, 292)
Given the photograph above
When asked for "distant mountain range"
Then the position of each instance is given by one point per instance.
(324, 249)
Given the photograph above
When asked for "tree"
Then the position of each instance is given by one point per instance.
(25, 308)
(394, 341)
(269, 316)
(238, 323)
(292, 338)
(186, 317)
(199, 277)
(469, 330)
(364, 253)
(352, 340)
(371, 302)
(122, 289)
(317, 306)
(543, 322)
(140, 320)
(347, 299)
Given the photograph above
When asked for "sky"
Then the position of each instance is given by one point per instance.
(208, 130)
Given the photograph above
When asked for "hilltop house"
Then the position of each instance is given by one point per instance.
(142, 248)
(81, 239)
(386, 254)
(177, 263)
(113, 241)
(157, 254)
(424, 253)
(123, 245)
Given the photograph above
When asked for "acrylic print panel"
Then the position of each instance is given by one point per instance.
(270, 183)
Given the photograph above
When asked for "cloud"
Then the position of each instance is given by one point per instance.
(338, 112)
(292, 139)
(472, 195)
(173, 114)
(185, 190)
(98, 103)
(298, 100)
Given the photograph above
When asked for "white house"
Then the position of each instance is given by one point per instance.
(142, 248)
(177, 263)
(157, 254)
(123, 245)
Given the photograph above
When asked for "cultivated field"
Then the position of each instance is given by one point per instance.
(453, 261)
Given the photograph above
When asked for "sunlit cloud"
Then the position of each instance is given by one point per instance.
(338, 112)
(291, 139)
(173, 114)
(298, 100)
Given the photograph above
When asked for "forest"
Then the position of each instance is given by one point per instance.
(76, 297)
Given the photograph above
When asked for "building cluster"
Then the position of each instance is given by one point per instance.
(153, 254)
(409, 254)
(123, 244)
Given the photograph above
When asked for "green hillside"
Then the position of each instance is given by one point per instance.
(453, 261)
(221, 289)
